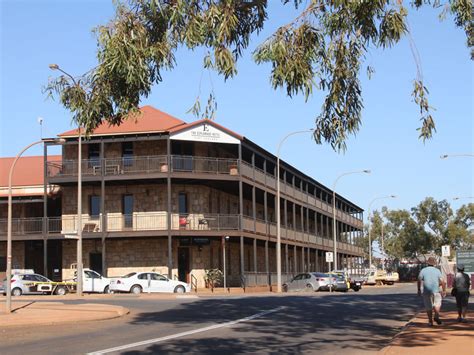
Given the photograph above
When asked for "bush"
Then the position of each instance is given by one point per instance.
(213, 278)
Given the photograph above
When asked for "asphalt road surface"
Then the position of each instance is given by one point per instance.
(293, 323)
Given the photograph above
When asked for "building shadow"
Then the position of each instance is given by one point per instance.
(306, 324)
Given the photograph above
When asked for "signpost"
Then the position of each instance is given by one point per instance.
(446, 251)
(329, 257)
(329, 260)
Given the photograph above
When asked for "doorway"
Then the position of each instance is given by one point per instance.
(34, 256)
(183, 264)
(55, 260)
(95, 262)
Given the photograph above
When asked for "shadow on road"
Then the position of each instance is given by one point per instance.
(346, 322)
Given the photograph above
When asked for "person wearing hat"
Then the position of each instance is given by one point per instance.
(461, 287)
(431, 279)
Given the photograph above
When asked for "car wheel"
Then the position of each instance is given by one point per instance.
(136, 289)
(16, 291)
(309, 288)
(60, 291)
(179, 289)
(107, 290)
(356, 289)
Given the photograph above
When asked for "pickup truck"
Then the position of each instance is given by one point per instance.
(92, 281)
(381, 277)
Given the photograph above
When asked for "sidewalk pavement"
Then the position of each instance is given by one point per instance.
(417, 337)
(47, 313)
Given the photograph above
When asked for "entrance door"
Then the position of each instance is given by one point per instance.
(55, 260)
(95, 262)
(183, 264)
(34, 254)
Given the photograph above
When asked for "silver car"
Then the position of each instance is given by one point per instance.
(312, 281)
(20, 284)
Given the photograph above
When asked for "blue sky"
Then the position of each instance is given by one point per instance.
(37, 33)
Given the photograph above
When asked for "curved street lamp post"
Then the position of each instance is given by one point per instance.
(278, 244)
(368, 220)
(334, 211)
(79, 194)
(9, 220)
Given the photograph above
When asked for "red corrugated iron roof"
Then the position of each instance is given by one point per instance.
(151, 120)
(29, 170)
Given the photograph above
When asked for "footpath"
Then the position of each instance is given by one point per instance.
(451, 337)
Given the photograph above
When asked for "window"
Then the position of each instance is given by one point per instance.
(127, 211)
(183, 203)
(91, 274)
(127, 153)
(94, 206)
(144, 276)
(94, 154)
(158, 277)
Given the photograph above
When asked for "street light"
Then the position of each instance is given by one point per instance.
(9, 220)
(278, 245)
(79, 193)
(368, 219)
(224, 239)
(334, 211)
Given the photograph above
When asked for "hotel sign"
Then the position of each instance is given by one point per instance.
(205, 133)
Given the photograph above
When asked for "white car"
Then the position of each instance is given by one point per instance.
(95, 282)
(138, 282)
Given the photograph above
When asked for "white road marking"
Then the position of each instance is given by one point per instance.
(183, 334)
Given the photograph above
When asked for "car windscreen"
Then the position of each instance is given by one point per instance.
(129, 275)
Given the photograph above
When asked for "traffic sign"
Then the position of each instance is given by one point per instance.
(329, 257)
(445, 250)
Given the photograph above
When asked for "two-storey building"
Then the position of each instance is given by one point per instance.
(162, 194)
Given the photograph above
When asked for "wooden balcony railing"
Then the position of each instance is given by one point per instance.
(143, 165)
(158, 221)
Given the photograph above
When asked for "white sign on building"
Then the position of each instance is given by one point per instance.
(205, 133)
(329, 257)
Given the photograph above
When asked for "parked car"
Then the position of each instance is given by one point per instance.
(353, 282)
(339, 283)
(92, 281)
(315, 281)
(27, 284)
(138, 282)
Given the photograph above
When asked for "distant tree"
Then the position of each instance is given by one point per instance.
(427, 227)
(323, 48)
(405, 237)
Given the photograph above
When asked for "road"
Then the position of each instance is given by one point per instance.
(294, 323)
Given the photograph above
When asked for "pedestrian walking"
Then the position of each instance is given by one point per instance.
(461, 287)
(432, 279)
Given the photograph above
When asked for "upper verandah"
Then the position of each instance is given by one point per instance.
(153, 122)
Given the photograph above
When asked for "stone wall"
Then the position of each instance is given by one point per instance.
(18, 254)
(152, 198)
